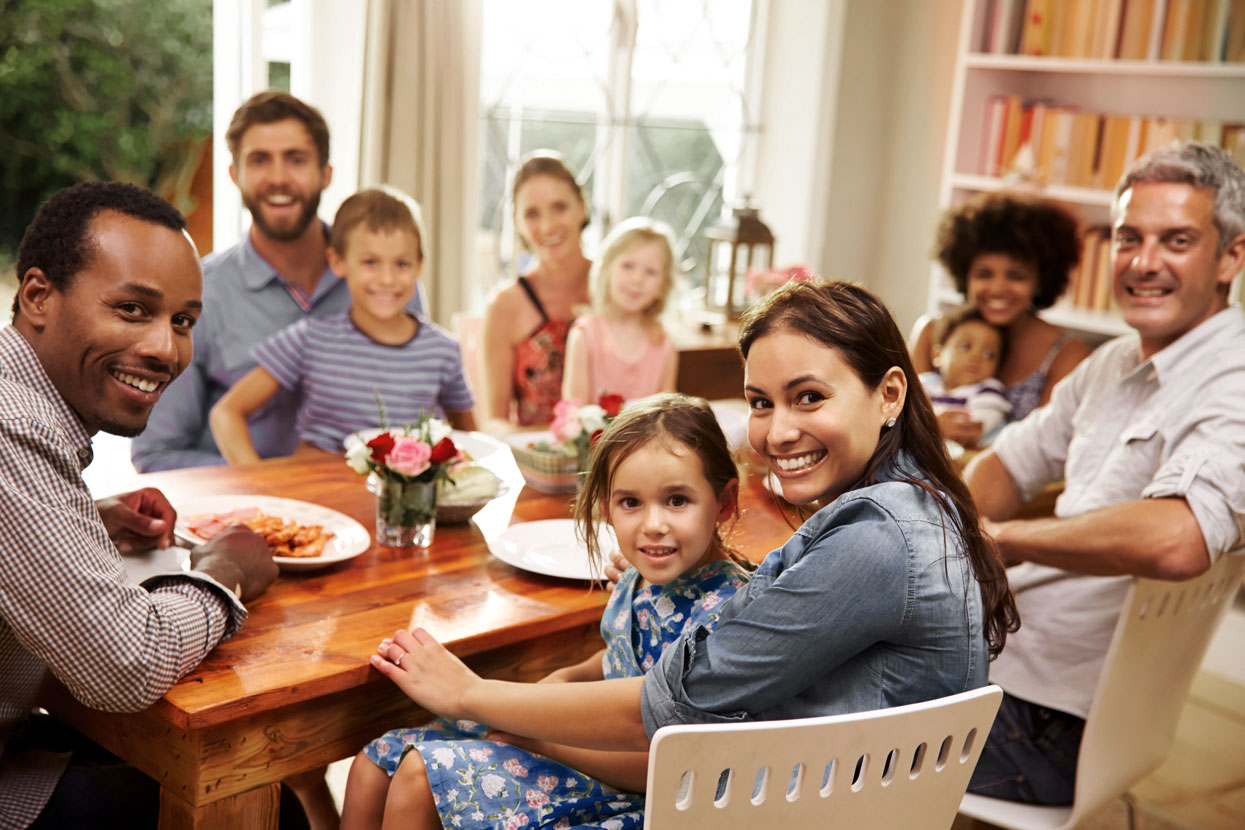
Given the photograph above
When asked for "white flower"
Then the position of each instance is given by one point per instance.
(444, 756)
(436, 431)
(665, 606)
(357, 456)
(457, 821)
(592, 417)
(612, 824)
(492, 785)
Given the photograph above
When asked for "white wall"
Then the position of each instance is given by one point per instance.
(892, 107)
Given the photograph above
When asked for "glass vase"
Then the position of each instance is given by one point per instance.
(406, 513)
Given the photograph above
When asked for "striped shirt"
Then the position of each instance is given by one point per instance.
(338, 370)
(66, 603)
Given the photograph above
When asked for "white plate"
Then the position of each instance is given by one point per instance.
(475, 444)
(547, 547)
(732, 417)
(349, 537)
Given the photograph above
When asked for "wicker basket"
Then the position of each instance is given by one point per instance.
(545, 471)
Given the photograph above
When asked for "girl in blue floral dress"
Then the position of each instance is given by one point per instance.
(663, 478)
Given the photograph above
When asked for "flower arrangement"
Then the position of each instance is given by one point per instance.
(759, 283)
(577, 426)
(409, 461)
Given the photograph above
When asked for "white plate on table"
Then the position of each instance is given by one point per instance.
(476, 445)
(349, 537)
(547, 547)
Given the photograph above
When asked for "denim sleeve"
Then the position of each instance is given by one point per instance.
(177, 433)
(846, 591)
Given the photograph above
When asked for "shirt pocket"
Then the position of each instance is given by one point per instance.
(1135, 459)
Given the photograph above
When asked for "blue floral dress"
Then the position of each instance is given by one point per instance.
(484, 784)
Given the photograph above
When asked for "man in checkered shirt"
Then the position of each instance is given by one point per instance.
(109, 290)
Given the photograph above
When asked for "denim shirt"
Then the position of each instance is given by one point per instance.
(871, 604)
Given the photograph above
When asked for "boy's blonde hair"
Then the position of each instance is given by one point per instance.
(626, 236)
(381, 208)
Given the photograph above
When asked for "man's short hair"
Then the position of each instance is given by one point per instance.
(380, 208)
(1200, 165)
(57, 241)
(270, 107)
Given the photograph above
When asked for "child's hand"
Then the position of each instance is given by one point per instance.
(426, 672)
(615, 564)
(959, 427)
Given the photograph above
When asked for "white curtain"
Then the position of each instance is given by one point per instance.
(421, 91)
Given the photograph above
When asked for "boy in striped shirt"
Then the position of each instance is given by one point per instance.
(338, 364)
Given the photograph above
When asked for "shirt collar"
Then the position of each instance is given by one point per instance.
(258, 273)
(18, 359)
(1197, 344)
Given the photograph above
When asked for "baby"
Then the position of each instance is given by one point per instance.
(967, 354)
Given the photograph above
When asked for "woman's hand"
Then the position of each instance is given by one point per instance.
(426, 672)
(959, 427)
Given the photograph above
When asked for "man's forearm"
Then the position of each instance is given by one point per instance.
(1155, 538)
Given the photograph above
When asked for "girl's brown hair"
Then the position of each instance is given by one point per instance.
(681, 421)
(855, 324)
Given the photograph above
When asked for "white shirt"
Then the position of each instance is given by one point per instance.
(1119, 429)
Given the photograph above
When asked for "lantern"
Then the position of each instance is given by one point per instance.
(736, 245)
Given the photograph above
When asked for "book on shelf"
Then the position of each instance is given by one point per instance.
(1035, 35)
(1089, 283)
(1078, 148)
(1167, 30)
(1234, 37)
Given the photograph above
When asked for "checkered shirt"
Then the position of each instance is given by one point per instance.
(66, 603)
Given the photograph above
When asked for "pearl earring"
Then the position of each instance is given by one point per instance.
(890, 422)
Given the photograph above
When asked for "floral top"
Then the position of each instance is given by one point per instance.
(639, 623)
(538, 363)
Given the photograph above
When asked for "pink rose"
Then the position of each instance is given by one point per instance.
(409, 457)
(566, 426)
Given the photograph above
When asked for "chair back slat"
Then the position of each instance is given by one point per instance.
(902, 767)
(1159, 642)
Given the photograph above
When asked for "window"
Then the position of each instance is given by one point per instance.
(652, 104)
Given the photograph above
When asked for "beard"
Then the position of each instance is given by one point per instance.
(310, 206)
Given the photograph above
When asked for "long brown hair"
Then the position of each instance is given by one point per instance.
(680, 421)
(855, 324)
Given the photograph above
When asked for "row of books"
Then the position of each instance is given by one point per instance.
(1089, 285)
(1169, 30)
(1049, 144)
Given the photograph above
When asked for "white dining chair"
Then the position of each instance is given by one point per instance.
(902, 767)
(1158, 644)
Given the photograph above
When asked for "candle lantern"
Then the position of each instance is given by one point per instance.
(736, 245)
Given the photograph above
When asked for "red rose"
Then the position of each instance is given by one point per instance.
(596, 436)
(611, 404)
(381, 446)
(444, 451)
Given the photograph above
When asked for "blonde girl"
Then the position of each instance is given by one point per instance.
(663, 479)
(621, 348)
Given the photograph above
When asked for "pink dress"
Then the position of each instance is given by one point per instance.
(611, 374)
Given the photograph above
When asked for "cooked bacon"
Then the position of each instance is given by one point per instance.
(284, 538)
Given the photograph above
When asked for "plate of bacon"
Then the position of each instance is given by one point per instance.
(302, 536)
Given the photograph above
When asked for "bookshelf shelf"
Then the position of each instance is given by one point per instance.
(1127, 105)
(1104, 67)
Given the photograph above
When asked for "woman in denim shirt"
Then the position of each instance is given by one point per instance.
(889, 594)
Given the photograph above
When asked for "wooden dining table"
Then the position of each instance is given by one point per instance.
(293, 690)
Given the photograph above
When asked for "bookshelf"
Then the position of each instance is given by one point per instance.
(1076, 105)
